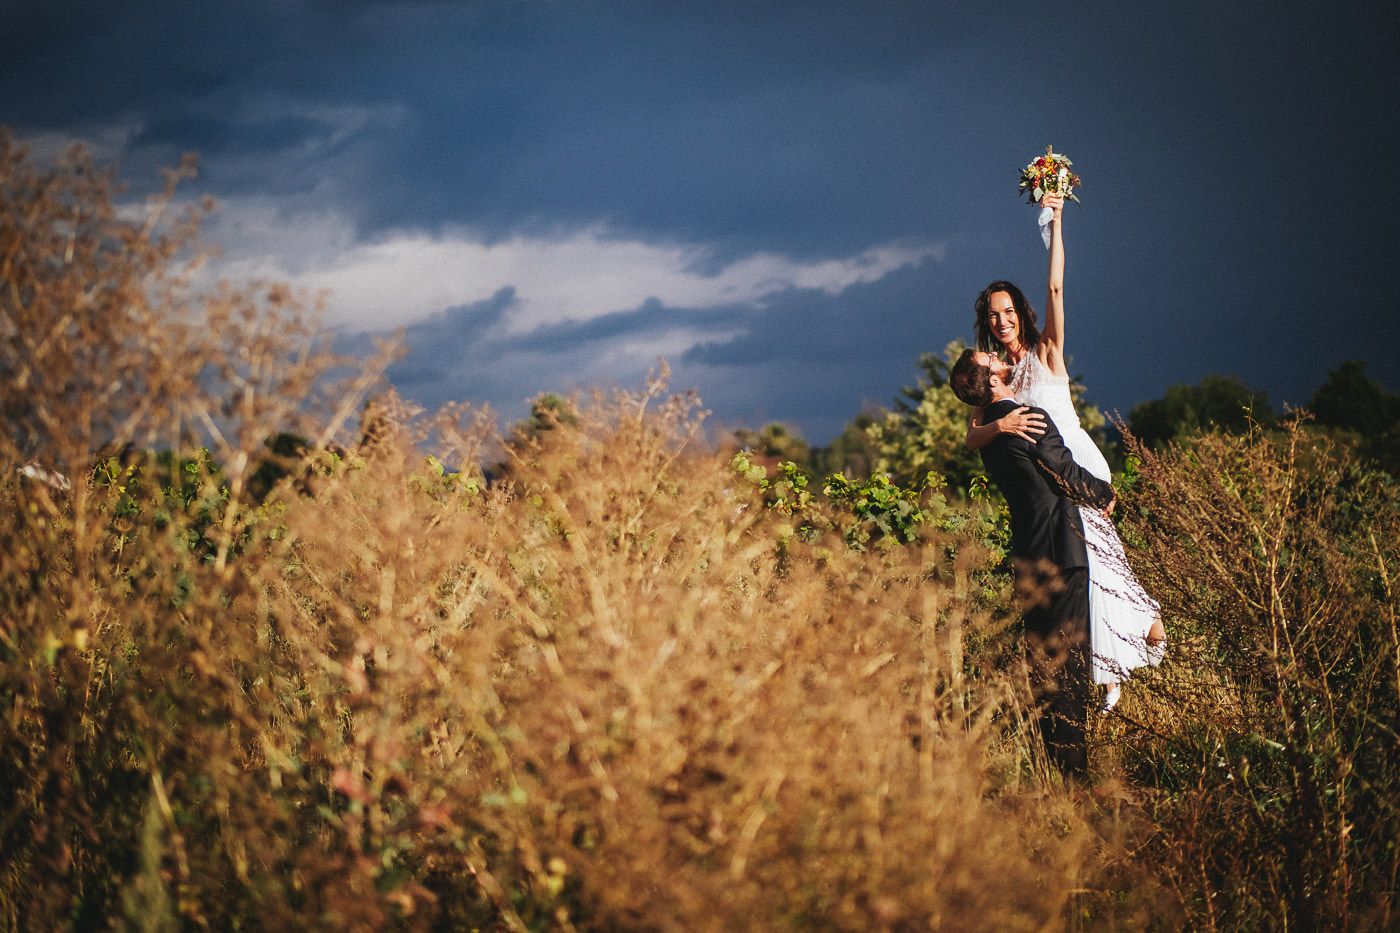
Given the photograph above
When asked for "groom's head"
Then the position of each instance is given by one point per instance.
(975, 377)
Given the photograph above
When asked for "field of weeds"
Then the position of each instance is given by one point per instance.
(271, 658)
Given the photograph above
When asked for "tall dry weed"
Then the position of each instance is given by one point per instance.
(120, 565)
(1269, 739)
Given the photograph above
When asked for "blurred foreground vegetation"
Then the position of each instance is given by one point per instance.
(266, 665)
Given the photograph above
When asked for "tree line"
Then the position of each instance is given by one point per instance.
(922, 431)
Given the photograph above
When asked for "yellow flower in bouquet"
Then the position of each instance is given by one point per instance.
(1051, 173)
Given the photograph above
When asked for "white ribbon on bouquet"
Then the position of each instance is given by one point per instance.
(1047, 215)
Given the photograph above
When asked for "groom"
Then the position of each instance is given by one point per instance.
(1043, 487)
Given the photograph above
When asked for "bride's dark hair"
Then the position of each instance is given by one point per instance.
(1030, 332)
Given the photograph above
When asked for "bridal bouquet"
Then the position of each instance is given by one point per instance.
(1049, 174)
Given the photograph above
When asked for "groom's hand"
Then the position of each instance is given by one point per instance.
(1023, 423)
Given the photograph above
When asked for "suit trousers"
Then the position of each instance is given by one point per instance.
(1057, 647)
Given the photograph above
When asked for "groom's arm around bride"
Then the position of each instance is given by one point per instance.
(1042, 484)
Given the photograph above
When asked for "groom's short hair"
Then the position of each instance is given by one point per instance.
(971, 380)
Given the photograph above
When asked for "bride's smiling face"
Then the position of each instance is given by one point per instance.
(1002, 319)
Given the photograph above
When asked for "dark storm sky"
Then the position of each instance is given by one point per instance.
(788, 201)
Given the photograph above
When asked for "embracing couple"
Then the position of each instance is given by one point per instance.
(1087, 618)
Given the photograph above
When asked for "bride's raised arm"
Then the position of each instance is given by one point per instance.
(1052, 338)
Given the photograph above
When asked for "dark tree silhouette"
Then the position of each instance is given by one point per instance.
(1224, 402)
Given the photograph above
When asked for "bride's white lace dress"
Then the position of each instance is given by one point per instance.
(1120, 612)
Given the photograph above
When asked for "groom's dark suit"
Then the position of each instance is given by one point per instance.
(1043, 487)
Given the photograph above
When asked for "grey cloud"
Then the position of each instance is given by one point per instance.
(861, 325)
(800, 355)
(652, 317)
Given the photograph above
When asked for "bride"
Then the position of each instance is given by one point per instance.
(1125, 624)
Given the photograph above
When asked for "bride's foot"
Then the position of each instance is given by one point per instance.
(1111, 698)
(1157, 634)
(1156, 642)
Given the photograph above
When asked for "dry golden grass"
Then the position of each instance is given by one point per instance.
(644, 716)
(602, 694)
(593, 697)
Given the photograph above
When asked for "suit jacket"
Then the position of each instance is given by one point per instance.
(1043, 487)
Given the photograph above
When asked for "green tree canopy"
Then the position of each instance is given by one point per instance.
(1224, 402)
(852, 452)
(1353, 402)
(1351, 399)
(775, 441)
(924, 432)
(547, 412)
